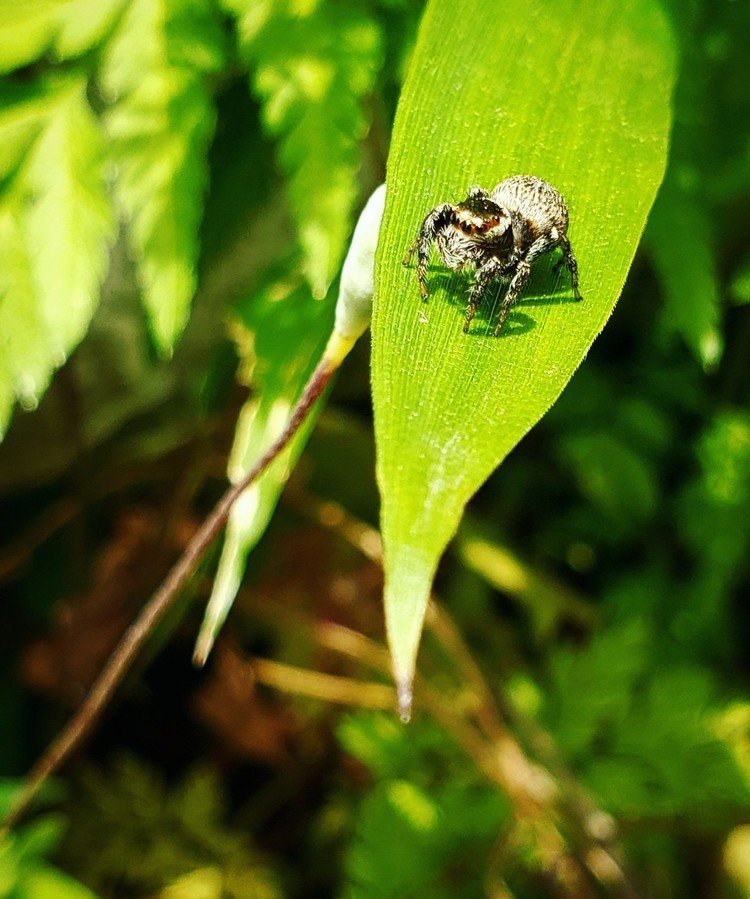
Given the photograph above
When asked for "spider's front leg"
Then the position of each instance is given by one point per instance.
(518, 282)
(483, 277)
(568, 260)
(434, 222)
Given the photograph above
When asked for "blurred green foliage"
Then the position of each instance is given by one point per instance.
(25, 871)
(601, 584)
(132, 835)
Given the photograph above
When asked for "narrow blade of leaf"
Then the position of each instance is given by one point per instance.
(289, 334)
(687, 271)
(577, 94)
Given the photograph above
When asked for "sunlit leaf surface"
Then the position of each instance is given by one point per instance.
(56, 227)
(577, 94)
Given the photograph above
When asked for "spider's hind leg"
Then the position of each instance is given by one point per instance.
(568, 259)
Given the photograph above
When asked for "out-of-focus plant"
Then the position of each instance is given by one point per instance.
(185, 848)
(25, 869)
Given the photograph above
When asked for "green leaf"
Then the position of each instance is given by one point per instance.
(314, 64)
(288, 329)
(56, 226)
(84, 24)
(31, 28)
(71, 225)
(27, 356)
(592, 687)
(577, 94)
(740, 285)
(26, 30)
(160, 127)
(612, 475)
(410, 841)
(687, 270)
(24, 108)
(46, 882)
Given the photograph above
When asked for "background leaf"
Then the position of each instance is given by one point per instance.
(160, 125)
(314, 65)
(26, 30)
(287, 331)
(56, 227)
(576, 95)
(68, 28)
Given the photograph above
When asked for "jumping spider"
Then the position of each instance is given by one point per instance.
(499, 234)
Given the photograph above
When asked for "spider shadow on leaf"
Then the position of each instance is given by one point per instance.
(539, 293)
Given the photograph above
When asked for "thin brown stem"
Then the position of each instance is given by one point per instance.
(317, 685)
(88, 713)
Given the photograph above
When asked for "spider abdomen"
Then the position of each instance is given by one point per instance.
(535, 201)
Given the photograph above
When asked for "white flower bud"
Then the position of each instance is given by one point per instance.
(354, 304)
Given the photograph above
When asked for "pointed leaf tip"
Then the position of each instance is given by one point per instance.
(405, 696)
(202, 650)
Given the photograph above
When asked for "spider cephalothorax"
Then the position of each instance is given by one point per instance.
(498, 234)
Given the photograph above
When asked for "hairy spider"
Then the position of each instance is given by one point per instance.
(499, 234)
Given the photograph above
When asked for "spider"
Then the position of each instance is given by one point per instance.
(499, 234)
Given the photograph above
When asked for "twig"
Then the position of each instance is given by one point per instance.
(327, 687)
(83, 720)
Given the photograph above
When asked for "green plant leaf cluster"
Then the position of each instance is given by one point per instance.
(150, 64)
(313, 67)
(160, 123)
(615, 715)
(56, 227)
(425, 823)
(25, 870)
(196, 850)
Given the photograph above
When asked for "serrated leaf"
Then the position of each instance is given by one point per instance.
(160, 126)
(577, 94)
(84, 24)
(26, 30)
(56, 226)
(24, 108)
(314, 65)
(27, 356)
(65, 28)
(71, 225)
